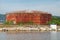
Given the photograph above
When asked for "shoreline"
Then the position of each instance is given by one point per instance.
(27, 29)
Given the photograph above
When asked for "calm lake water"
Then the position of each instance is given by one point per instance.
(30, 36)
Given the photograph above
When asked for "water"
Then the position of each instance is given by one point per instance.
(30, 36)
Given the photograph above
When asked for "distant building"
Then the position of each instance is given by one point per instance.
(37, 17)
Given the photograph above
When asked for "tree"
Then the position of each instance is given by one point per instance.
(55, 20)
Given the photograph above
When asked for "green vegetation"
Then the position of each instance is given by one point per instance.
(30, 23)
(23, 23)
(55, 20)
(8, 23)
(20, 23)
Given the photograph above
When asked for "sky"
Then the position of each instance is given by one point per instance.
(50, 6)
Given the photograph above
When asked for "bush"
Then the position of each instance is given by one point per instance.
(20, 23)
(8, 23)
(30, 22)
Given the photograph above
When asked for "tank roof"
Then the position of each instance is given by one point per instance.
(27, 11)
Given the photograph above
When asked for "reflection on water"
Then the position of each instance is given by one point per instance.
(53, 35)
(30, 36)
